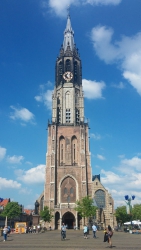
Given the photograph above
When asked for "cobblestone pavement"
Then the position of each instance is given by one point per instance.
(74, 241)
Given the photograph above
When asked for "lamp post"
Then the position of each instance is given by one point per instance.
(129, 206)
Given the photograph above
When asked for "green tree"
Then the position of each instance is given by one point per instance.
(85, 207)
(121, 215)
(12, 210)
(46, 214)
(136, 212)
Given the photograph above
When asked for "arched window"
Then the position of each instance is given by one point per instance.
(68, 65)
(58, 115)
(74, 150)
(75, 71)
(100, 198)
(68, 190)
(68, 104)
(77, 116)
(62, 150)
(60, 71)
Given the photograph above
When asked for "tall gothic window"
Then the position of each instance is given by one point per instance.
(60, 68)
(68, 190)
(75, 71)
(77, 116)
(74, 150)
(68, 65)
(100, 198)
(58, 115)
(68, 116)
(68, 100)
(62, 150)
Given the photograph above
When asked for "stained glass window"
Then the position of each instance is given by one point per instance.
(100, 198)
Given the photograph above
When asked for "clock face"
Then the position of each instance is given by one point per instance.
(68, 76)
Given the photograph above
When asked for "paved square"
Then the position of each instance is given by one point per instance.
(74, 241)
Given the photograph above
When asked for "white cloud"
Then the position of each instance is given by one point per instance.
(100, 157)
(95, 136)
(126, 53)
(26, 191)
(125, 179)
(135, 162)
(2, 153)
(60, 7)
(103, 2)
(15, 159)
(93, 89)
(5, 184)
(32, 176)
(21, 114)
(45, 95)
(119, 86)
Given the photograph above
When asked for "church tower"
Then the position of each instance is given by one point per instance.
(68, 169)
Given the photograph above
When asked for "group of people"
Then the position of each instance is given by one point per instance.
(108, 233)
(86, 231)
(32, 229)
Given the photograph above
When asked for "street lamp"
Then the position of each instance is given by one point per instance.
(129, 206)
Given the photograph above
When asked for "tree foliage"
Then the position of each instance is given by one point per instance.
(136, 212)
(46, 214)
(85, 207)
(12, 210)
(121, 215)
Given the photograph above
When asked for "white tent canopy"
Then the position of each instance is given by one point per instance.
(134, 222)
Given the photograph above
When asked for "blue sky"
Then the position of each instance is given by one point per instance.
(108, 36)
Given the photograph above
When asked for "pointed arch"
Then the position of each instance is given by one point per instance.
(61, 190)
(99, 197)
(68, 190)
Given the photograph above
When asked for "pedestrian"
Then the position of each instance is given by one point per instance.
(5, 231)
(34, 229)
(38, 228)
(110, 234)
(63, 230)
(94, 228)
(85, 229)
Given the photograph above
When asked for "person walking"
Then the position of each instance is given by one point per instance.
(85, 229)
(110, 234)
(63, 230)
(94, 228)
(5, 231)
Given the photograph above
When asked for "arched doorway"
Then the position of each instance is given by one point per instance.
(57, 219)
(69, 220)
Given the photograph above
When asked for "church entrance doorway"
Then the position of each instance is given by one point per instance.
(69, 220)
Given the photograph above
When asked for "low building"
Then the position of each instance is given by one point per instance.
(104, 202)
